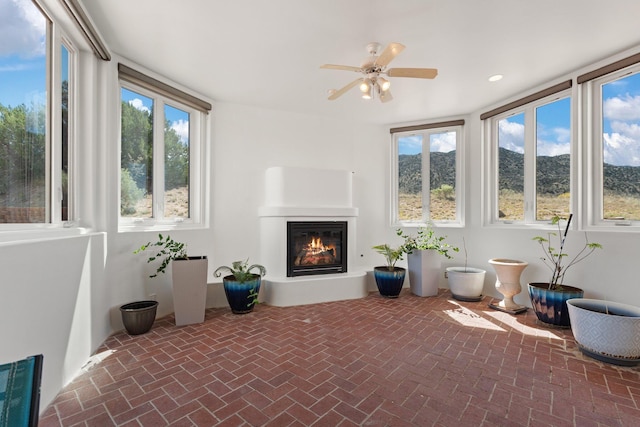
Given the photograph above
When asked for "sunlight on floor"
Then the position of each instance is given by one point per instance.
(512, 321)
(96, 359)
(467, 317)
(471, 318)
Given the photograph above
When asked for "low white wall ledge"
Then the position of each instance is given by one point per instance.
(303, 290)
(321, 211)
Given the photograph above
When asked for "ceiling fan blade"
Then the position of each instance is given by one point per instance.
(340, 67)
(386, 96)
(420, 73)
(389, 53)
(340, 92)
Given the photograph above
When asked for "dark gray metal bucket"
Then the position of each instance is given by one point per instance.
(138, 316)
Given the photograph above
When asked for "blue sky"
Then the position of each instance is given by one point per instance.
(22, 65)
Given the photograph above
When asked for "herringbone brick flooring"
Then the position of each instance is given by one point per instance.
(409, 361)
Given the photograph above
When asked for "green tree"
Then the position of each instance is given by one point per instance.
(137, 145)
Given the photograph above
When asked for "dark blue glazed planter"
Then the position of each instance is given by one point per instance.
(389, 281)
(551, 306)
(239, 294)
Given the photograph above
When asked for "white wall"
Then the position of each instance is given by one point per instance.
(61, 297)
(52, 303)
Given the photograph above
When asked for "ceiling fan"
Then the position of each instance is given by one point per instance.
(373, 68)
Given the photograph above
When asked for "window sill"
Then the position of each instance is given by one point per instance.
(13, 237)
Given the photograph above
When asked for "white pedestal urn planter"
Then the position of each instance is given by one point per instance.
(466, 283)
(189, 289)
(508, 273)
(424, 272)
(607, 331)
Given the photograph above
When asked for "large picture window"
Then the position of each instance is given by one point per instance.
(529, 164)
(160, 155)
(34, 118)
(616, 149)
(427, 174)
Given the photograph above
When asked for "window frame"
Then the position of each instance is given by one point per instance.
(56, 36)
(593, 158)
(198, 143)
(491, 135)
(426, 132)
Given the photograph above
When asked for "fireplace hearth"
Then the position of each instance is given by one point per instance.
(316, 247)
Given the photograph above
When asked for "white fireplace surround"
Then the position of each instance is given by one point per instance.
(297, 194)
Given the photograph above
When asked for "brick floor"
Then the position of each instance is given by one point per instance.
(409, 361)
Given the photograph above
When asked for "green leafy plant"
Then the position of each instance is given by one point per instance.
(426, 240)
(167, 250)
(554, 258)
(241, 270)
(391, 255)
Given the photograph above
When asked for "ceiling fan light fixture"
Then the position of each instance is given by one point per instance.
(384, 84)
(365, 86)
(368, 94)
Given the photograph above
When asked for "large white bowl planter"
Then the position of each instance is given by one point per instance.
(466, 283)
(612, 337)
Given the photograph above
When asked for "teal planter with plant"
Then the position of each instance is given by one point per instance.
(389, 278)
(549, 299)
(241, 287)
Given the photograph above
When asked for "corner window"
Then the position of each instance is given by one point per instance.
(529, 165)
(34, 118)
(616, 149)
(161, 160)
(427, 175)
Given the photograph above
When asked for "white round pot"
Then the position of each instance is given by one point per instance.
(612, 337)
(466, 283)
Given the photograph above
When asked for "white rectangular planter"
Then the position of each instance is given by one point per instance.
(424, 272)
(189, 289)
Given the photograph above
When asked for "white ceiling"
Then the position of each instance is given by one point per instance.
(268, 53)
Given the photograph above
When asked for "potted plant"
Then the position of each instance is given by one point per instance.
(549, 299)
(423, 258)
(465, 283)
(189, 277)
(389, 278)
(242, 286)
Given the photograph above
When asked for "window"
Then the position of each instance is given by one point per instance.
(34, 118)
(161, 161)
(427, 174)
(530, 159)
(616, 148)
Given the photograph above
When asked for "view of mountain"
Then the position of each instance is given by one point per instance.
(553, 173)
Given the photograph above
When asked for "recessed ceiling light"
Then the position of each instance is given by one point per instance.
(495, 77)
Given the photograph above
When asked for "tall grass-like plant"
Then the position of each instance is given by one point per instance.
(554, 258)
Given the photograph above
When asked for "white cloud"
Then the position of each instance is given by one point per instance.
(138, 105)
(626, 107)
(443, 142)
(182, 129)
(511, 136)
(621, 150)
(553, 142)
(22, 29)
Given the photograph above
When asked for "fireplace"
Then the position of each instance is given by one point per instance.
(316, 247)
